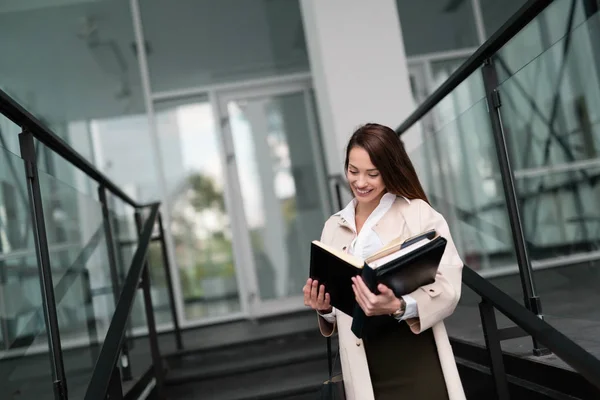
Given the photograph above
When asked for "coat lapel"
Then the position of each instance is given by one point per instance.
(392, 224)
(344, 235)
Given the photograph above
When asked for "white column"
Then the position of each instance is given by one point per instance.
(359, 68)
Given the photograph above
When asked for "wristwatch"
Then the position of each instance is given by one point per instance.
(399, 312)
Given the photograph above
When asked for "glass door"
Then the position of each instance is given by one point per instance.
(274, 162)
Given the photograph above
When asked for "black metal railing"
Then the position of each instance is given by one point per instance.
(106, 377)
(114, 347)
(484, 59)
(493, 298)
(529, 319)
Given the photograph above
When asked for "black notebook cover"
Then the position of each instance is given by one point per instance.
(336, 274)
(403, 275)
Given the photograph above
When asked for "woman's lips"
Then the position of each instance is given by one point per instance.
(363, 192)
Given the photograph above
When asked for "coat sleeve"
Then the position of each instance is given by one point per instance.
(437, 301)
(327, 328)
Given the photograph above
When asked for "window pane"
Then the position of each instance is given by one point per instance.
(495, 13)
(282, 198)
(438, 25)
(196, 43)
(200, 225)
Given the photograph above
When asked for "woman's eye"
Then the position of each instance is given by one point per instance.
(374, 176)
(353, 172)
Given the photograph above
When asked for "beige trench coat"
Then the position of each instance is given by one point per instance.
(435, 302)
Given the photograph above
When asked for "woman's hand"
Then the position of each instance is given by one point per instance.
(384, 303)
(315, 296)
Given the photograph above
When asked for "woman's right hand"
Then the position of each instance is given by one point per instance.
(315, 296)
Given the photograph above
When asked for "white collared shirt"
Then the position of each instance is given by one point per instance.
(367, 242)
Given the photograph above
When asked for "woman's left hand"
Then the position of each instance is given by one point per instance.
(384, 303)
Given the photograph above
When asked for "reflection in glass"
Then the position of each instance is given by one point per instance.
(560, 212)
(540, 34)
(280, 190)
(553, 118)
(466, 186)
(552, 122)
(200, 224)
(467, 93)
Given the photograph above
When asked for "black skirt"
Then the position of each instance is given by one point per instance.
(403, 365)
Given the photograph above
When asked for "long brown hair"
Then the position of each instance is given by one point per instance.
(389, 156)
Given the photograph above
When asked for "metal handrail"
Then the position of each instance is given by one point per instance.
(569, 351)
(109, 354)
(23, 118)
(518, 21)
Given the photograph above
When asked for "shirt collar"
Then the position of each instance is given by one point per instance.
(347, 213)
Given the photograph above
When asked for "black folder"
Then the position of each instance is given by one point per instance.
(415, 266)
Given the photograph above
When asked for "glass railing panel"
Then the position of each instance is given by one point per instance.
(124, 233)
(551, 117)
(560, 214)
(469, 188)
(24, 355)
(61, 169)
(81, 277)
(459, 169)
(463, 96)
(543, 32)
(9, 135)
(551, 108)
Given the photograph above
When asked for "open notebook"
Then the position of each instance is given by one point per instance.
(402, 265)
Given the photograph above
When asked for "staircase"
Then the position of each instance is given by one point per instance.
(287, 366)
(277, 364)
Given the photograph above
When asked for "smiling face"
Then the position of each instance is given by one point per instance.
(364, 178)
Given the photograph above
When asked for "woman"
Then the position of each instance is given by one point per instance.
(403, 358)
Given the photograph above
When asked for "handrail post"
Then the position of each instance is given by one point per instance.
(531, 299)
(114, 274)
(492, 342)
(150, 320)
(130, 343)
(49, 305)
(90, 315)
(115, 387)
(169, 279)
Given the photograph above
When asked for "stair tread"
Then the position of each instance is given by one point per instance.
(263, 384)
(244, 363)
(257, 349)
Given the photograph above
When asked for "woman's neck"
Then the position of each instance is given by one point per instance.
(363, 210)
